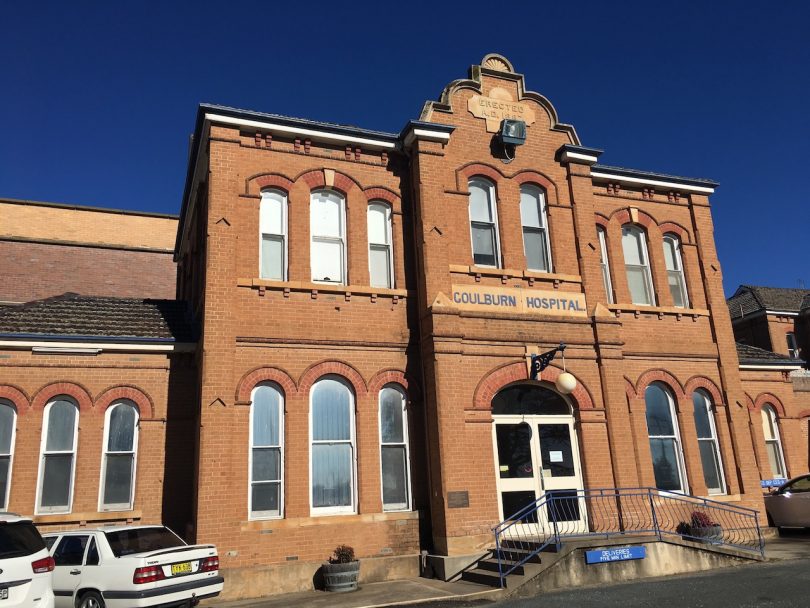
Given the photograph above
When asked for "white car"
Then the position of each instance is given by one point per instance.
(25, 565)
(131, 567)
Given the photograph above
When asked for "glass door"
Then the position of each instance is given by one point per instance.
(560, 475)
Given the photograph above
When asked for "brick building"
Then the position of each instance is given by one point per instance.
(362, 308)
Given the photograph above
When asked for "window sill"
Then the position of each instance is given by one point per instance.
(326, 520)
(301, 286)
(511, 273)
(723, 497)
(83, 518)
(658, 310)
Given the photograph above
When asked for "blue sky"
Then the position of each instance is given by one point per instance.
(98, 98)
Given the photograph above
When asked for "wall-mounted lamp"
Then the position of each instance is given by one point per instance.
(565, 383)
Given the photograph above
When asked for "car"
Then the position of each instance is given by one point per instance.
(131, 567)
(26, 567)
(789, 505)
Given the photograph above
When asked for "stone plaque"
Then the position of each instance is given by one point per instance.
(519, 300)
(458, 500)
(497, 106)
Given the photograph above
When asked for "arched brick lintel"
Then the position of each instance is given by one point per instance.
(338, 368)
(132, 393)
(16, 396)
(803, 414)
(264, 374)
(316, 180)
(471, 170)
(663, 376)
(622, 216)
(261, 181)
(676, 229)
(389, 376)
(602, 220)
(375, 193)
(79, 394)
(769, 399)
(696, 382)
(533, 177)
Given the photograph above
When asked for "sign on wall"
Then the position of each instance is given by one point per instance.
(516, 300)
(497, 106)
(772, 483)
(620, 554)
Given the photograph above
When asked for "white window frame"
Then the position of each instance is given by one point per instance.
(405, 443)
(490, 187)
(10, 453)
(46, 418)
(708, 405)
(340, 240)
(645, 264)
(389, 246)
(102, 507)
(253, 515)
(540, 195)
(678, 270)
(793, 347)
(677, 437)
(768, 411)
(348, 509)
(269, 194)
(601, 234)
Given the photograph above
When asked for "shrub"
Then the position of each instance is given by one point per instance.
(343, 554)
(701, 520)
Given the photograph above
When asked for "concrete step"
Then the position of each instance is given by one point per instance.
(487, 577)
(518, 555)
(491, 564)
(531, 545)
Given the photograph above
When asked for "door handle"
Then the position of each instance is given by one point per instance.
(75, 571)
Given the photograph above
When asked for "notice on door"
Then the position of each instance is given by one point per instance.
(519, 300)
(555, 456)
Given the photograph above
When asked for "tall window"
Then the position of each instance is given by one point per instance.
(773, 442)
(605, 263)
(535, 229)
(394, 449)
(793, 348)
(637, 265)
(266, 453)
(674, 263)
(665, 440)
(707, 443)
(328, 230)
(58, 449)
(333, 449)
(8, 423)
(120, 451)
(484, 223)
(273, 229)
(380, 260)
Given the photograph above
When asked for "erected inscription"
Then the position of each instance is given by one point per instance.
(497, 107)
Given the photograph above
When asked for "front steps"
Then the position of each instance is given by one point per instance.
(485, 571)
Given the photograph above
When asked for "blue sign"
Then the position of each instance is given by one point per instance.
(621, 554)
(772, 483)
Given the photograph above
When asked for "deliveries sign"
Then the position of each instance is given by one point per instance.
(517, 300)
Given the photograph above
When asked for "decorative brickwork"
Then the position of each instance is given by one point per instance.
(79, 394)
(132, 393)
(338, 368)
(263, 374)
(16, 396)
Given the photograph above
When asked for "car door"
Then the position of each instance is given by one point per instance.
(795, 498)
(69, 558)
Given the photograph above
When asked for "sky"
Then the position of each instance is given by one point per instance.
(98, 99)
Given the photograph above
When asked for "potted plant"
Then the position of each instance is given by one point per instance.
(700, 528)
(342, 570)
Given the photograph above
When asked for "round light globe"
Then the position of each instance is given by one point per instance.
(566, 383)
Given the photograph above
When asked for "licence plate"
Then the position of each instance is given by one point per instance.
(184, 568)
(3, 593)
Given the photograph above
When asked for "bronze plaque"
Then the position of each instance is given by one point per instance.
(458, 500)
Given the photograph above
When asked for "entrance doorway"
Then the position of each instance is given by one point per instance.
(537, 455)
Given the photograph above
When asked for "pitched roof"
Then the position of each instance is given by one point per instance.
(806, 302)
(752, 298)
(77, 316)
(759, 356)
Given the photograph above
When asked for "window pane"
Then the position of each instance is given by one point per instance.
(56, 481)
(379, 266)
(325, 215)
(669, 254)
(767, 423)
(273, 258)
(6, 429)
(530, 207)
(774, 458)
(702, 422)
(271, 213)
(391, 411)
(480, 204)
(711, 468)
(61, 424)
(4, 466)
(266, 464)
(118, 479)
(327, 261)
(92, 554)
(331, 475)
(378, 224)
(676, 287)
(659, 412)
(665, 464)
(534, 243)
(122, 428)
(265, 497)
(631, 245)
(637, 283)
(266, 409)
(483, 236)
(70, 551)
(394, 473)
(331, 414)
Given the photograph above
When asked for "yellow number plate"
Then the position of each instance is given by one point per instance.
(184, 568)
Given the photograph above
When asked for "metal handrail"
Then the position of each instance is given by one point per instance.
(612, 512)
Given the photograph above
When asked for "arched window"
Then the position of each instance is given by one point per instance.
(674, 263)
(394, 449)
(707, 443)
(119, 457)
(484, 223)
(665, 440)
(328, 232)
(273, 234)
(332, 434)
(535, 228)
(637, 265)
(266, 498)
(604, 262)
(380, 260)
(8, 424)
(773, 442)
(58, 449)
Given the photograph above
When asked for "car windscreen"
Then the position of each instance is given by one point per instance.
(18, 539)
(141, 540)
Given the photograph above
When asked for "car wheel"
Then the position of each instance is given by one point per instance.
(91, 599)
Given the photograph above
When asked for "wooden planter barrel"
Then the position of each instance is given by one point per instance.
(341, 577)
